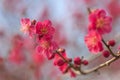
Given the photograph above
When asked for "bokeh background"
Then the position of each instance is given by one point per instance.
(70, 18)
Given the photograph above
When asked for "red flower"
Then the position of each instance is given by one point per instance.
(45, 29)
(100, 22)
(25, 23)
(93, 42)
(47, 48)
(27, 26)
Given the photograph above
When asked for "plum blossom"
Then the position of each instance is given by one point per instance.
(45, 29)
(99, 21)
(93, 42)
(27, 26)
(47, 48)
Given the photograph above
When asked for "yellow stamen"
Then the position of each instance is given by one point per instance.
(45, 44)
(44, 31)
(100, 22)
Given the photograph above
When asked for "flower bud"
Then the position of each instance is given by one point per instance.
(60, 62)
(85, 62)
(77, 61)
(106, 53)
(70, 59)
(111, 43)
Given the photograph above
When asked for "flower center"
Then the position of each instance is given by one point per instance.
(45, 44)
(94, 40)
(25, 28)
(44, 31)
(100, 22)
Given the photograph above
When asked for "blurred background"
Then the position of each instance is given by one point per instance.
(70, 18)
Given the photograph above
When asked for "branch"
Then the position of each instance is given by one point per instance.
(107, 63)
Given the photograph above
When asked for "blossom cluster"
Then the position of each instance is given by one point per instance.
(99, 24)
(43, 32)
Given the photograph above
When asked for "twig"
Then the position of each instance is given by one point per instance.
(107, 63)
(109, 48)
(89, 10)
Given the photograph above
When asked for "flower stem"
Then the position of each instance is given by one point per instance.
(109, 48)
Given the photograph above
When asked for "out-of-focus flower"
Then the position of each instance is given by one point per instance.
(99, 21)
(16, 56)
(114, 8)
(93, 42)
(17, 41)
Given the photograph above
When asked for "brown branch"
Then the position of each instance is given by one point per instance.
(107, 63)
(78, 68)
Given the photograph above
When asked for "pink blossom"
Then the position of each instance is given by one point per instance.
(114, 8)
(47, 48)
(100, 22)
(27, 26)
(93, 42)
(16, 56)
(45, 29)
(17, 41)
